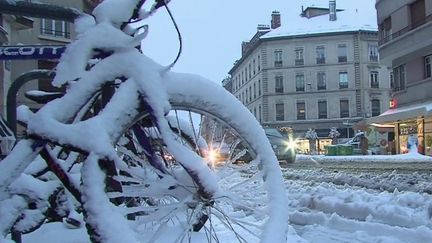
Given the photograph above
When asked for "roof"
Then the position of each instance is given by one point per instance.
(356, 15)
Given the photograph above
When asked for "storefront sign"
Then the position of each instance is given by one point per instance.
(406, 130)
(393, 103)
(31, 52)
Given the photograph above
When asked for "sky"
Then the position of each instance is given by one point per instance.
(212, 31)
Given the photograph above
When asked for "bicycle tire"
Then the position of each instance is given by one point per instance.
(187, 99)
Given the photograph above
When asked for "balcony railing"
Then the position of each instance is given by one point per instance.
(299, 62)
(278, 63)
(56, 33)
(408, 28)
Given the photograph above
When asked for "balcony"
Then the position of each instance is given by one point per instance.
(408, 28)
(320, 60)
(278, 63)
(406, 42)
(299, 62)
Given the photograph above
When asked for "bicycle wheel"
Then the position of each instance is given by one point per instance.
(251, 207)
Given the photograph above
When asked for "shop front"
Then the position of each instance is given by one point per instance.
(412, 125)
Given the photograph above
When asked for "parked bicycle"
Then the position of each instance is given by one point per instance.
(144, 168)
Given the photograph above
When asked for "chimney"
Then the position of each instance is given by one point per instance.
(275, 20)
(332, 7)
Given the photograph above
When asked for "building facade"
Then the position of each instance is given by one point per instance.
(319, 79)
(405, 46)
(34, 31)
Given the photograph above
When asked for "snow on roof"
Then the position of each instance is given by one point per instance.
(356, 15)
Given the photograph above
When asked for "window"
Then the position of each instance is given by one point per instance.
(280, 112)
(322, 109)
(299, 56)
(301, 110)
(279, 84)
(259, 87)
(254, 85)
(278, 58)
(376, 107)
(259, 112)
(343, 80)
(254, 66)
(300, 83)
(255, 114)
(373, 53)
(427, 68)
(250, 93)
(374, 82)
(56, 28)
(385, 30)
(344, 108)
(342, 53)
(242, 77)
(398, 78)
(246, 98)
(250, 71)
(418, 13)
(259, 63)
(321, 81)
(246, 74)
(320, 55)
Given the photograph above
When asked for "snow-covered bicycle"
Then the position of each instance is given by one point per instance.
(147, 166)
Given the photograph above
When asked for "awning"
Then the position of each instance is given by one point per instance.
(402, 113)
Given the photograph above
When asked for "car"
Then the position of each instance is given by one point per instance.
(284, 147)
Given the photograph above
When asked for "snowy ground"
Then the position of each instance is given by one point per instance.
(336, 206)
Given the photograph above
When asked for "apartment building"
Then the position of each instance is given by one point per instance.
(22, 33)
(405, 46)
(321, 70)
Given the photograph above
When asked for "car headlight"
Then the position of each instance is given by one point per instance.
(290, 145)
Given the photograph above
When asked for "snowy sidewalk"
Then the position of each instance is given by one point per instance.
(399, 158)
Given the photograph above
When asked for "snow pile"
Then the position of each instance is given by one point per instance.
(378, 179)
(412, 157)
(322, 212)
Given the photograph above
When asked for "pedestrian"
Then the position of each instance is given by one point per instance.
(364, 144)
